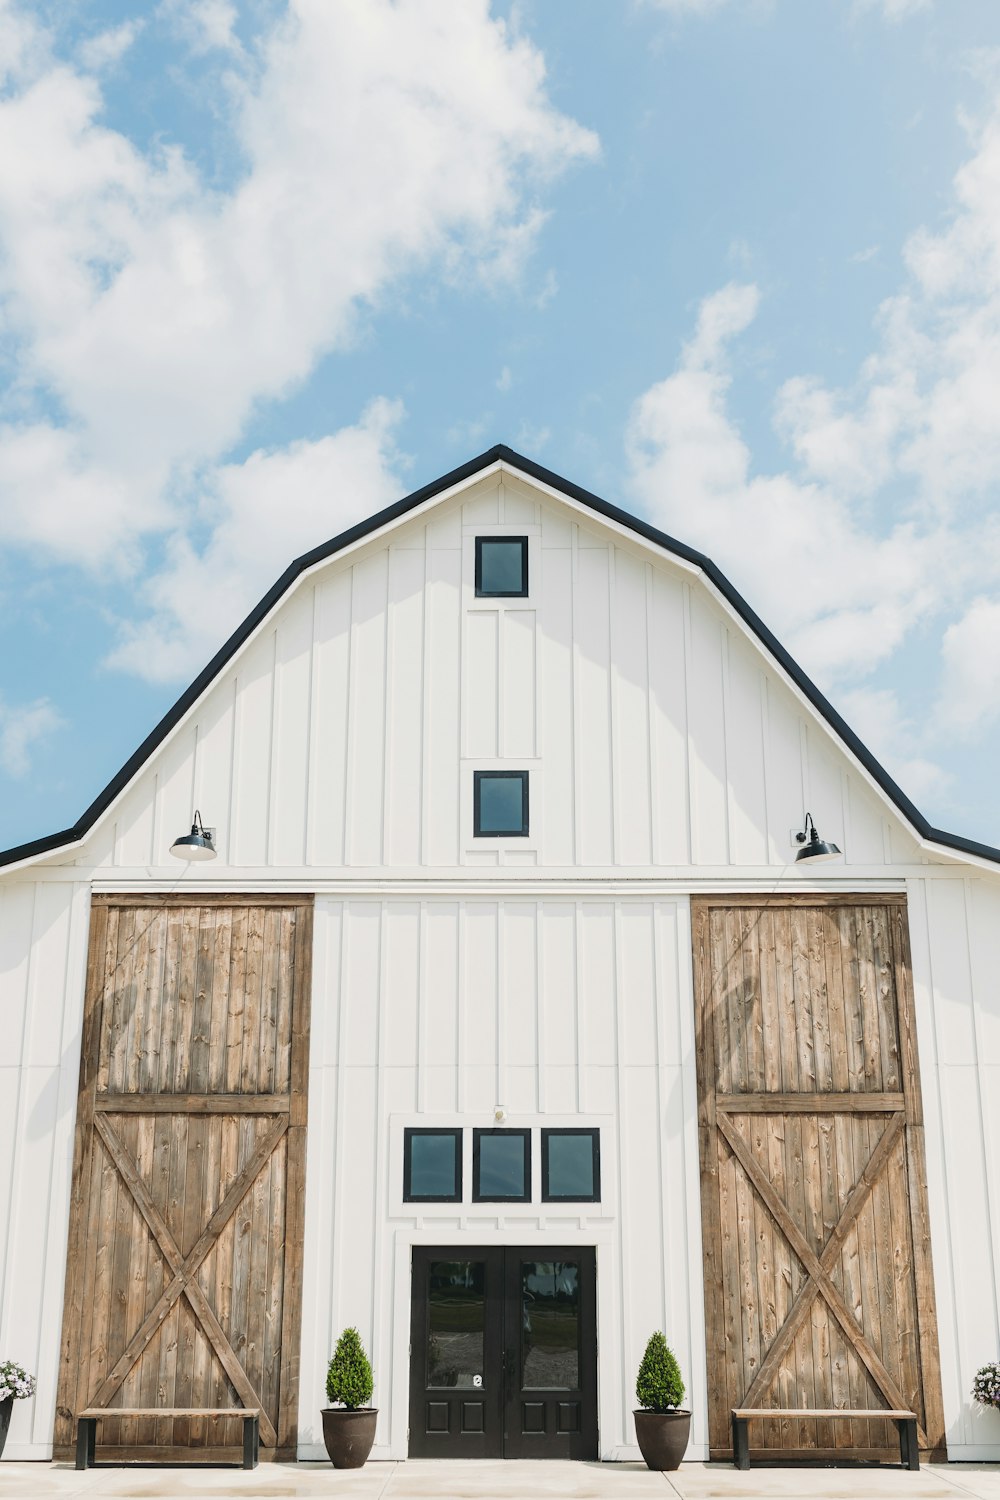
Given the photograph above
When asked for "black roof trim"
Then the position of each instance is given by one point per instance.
(499, 453)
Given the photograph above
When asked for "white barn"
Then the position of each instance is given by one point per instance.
(504, 1025)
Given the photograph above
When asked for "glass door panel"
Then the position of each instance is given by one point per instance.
(503, 1353)
(550, 1325)
(456, 1323)
(550, 1333)
(456, 1354)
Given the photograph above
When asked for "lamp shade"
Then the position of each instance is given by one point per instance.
(195, 845)
(817, 850)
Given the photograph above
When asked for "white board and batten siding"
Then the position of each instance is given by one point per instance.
(344, 736)
(551, 975)
(560, 1011)
(955, 933)
(43, 953)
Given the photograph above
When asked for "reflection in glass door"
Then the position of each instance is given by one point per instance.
(551, 1329)
(503, 1353)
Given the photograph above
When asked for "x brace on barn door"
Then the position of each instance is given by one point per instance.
(818, 1268)
(184, 1269)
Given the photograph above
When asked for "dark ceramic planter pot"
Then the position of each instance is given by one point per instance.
(6, 1407)
(662, 1437)
(349, 1435)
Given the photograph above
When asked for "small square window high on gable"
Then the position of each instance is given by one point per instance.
(500, 804)
(501, 567)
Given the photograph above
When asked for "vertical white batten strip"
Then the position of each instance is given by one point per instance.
(462, 992)
(340, 1136)
(346, 830)
(688, 677)
(540, 1089)
(771, 835)
(574, 581)
(625, 1325)
(727, 718)
(947, 1217)
(577, 982)
(501, 1022)
(56, 1232)
(381, 1163)
(652, 721)
(6, 1290)
(310, 747)
(990, 1161)
(425, 717)
(388, 738)
(613, 706)
(694, 1271)
(273, 752)
(660, 1002)
(421, 1080)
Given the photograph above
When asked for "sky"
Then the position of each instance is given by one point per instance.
(265, 267)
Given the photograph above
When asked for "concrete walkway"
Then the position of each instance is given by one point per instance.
(464, 1480)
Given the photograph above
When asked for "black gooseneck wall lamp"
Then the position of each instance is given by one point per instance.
(198, 844)
(816, 849)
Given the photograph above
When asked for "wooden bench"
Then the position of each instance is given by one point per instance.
(906, 1425)
(87, 1420)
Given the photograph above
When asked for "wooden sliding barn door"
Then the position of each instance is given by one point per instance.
(183, 1281)
(818, 1285)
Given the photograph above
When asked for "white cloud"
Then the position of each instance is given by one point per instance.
(531, 438)
(504, 380)
(898, 741)
(885, 517)
(205, 25)
(22, 728)
(155, 313)
(263, 513)
(970, 697)
(109, 47)
(688, 7)
(894, 10)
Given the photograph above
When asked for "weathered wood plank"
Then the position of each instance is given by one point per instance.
(188, 1003)
(192, 1104)
(804, 1104)
(805, 1056)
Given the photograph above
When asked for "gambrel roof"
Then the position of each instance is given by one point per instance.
(502, 455)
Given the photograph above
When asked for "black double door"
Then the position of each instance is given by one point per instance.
(503, 1353)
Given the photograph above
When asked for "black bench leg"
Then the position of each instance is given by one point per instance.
(909, 1453)
(741, 1443)
(86, 1442)
(251, 1442)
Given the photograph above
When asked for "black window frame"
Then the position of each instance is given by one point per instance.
(413, 1130)
(594, 1131)
(521, 593)
(477, 1135)
(478, 777)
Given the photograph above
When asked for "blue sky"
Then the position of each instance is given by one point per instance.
(733, 264)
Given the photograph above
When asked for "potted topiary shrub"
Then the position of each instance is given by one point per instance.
(349, 1426)
(662, 1426)
(15, 1385)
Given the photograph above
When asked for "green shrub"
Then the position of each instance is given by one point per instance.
(658, 1385)
(349, 1375)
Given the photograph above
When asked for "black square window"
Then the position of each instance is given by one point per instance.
(501, 1166)
(432, 1165)
(500, 804)
(571, 1166)
(501, 567)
